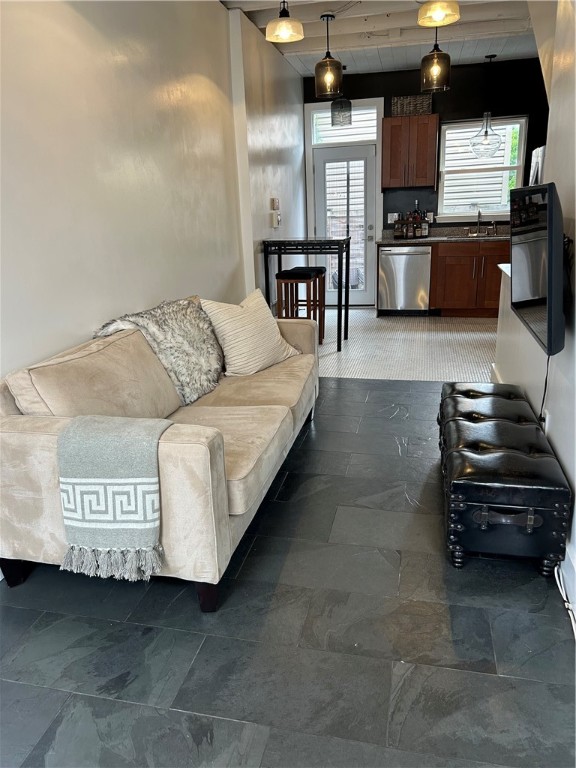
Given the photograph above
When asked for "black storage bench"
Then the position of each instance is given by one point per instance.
(505, 492)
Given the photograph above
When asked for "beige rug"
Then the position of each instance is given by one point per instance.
(412, 348)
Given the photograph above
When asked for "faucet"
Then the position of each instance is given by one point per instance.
(478, 221)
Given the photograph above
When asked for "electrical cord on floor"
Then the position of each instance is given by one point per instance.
(567, 604)
(541, 418)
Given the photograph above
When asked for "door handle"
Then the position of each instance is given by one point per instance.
(483, 260)
(474, 269)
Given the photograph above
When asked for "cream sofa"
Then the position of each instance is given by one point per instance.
(216, 462)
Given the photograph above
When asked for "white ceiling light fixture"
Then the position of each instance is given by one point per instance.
(284, 29)
(438, 13)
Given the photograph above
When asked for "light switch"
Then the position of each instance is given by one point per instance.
(275, 203)
(276, 219)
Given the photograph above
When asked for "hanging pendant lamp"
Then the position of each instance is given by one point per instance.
(284, 29)
(341, 112)
(486, 142)
(435, 70)
(328, 72)
(438, 13)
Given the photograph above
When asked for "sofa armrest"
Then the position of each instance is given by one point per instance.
(301, 334)
(195, 530)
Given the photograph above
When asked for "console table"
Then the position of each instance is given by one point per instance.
(315, 245)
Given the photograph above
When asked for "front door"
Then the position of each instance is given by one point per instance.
(345, 205)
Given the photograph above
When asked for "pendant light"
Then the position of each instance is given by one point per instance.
(341, 112)
(486, 142)
(438, 13)
(284, 29)
(435, 70)
(328, 72)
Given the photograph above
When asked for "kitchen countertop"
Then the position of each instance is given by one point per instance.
(441, 239)
(443, 234)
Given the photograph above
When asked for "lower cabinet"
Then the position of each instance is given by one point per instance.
(465, 279)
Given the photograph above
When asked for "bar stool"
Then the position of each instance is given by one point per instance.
(288, 283)
(320, 275)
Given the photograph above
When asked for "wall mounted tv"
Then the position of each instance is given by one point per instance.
(537, 268)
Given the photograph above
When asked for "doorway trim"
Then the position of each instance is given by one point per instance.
(315, 107)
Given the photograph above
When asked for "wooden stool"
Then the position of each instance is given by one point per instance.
(288, 284)
(320, 292)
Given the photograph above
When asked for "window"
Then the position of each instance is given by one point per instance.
(364, 127)
(469, 183)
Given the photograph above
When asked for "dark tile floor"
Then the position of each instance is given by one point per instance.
(344, 637)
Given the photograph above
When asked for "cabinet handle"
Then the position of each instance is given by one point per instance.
(474, 269)
(483, 260)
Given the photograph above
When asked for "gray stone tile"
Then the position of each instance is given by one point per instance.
(385, 443)
(50, 589)
(427, 633)
(301, 750)
(316, 462)
(335, 424)
(381, 528)
(238, 556)
(481, 583)
(25, 713)
(467, 715)
(425, 498)
(294, 520)
(311, 492)
(394, 468)
(92, 732)
(533, 646)
(115, 660)
(368, 570)
(249, 610)
(345, 395)
(408, 428)
(292, 688)
(13, 623)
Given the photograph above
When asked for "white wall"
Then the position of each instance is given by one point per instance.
(274, 115)
(519, 359)
(118, 166)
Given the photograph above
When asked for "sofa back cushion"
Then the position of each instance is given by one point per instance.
(114, 376)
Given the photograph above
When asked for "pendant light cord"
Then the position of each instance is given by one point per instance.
(327, 35)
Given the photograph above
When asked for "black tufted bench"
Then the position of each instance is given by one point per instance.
(505, 492)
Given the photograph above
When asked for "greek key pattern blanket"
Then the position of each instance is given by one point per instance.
(110, 494)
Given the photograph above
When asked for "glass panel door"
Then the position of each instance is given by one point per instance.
(344, 200)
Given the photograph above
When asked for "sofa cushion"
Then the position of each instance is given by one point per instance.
(114, 376)
(256, 440)
(290, 383)
(182, 337)
(248, 334)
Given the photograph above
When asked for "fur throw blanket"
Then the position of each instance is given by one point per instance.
(182, 336)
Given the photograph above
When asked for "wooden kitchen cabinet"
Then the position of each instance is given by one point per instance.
(465, 279)
(409, 151)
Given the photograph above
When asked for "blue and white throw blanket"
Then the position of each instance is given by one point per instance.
(110, 492)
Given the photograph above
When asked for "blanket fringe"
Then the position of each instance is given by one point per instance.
(128, 564)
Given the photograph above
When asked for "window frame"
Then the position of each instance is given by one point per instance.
(518, 167)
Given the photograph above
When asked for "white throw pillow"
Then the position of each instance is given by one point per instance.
(248, 335)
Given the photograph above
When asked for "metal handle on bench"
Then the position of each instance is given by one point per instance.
(486, 517)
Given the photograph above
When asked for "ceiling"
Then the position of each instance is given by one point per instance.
(382, 36)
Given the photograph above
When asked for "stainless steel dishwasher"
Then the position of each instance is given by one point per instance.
(403, 278)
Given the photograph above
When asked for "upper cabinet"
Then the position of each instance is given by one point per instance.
(409, 151)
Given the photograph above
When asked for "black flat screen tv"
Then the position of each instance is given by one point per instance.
(537, 268)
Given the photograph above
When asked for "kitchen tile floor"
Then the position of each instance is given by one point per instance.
(344, 637)
(416, 348)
